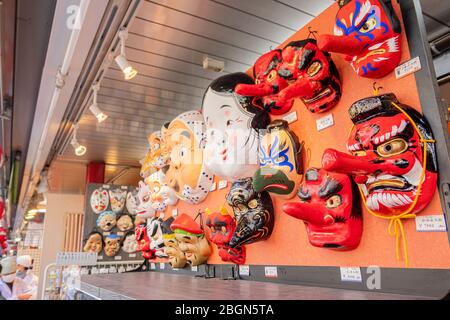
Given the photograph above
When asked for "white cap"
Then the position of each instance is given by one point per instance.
(8, 265)
(25, 261)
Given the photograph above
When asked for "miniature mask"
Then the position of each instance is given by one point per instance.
(112, 245)
(106, 220)
(144, 209)
(99, 200)
(161, 196)
(117, 198)
(330, 207)
(94, 243)
(132, 202)
(125, 223)
(129, 243)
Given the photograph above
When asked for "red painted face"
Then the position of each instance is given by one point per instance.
(368, 33)
(329, 206)
(143, 241)
(222, 226)
(387, 156)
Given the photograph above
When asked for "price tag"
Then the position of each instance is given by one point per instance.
(351, 274)
(106, 186)
(174, 212)
(213, 187)
(117, 258)
(407, 68)
(244, 270)
(162, 266)
(223, 184)
(124, 187)
(291, 117)
(194, 268)
(325, 122)
(152, 266)
(100, 257)
(434, 223)
(271, 272)
(132, 255)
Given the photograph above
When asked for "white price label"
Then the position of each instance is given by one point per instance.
(352, 274)
(174, 212)
(100, 257)
(271, 272)
(106, 186)
(117, 258)
(223, 184)
(291, 117)
(162, 266)
(213, 187)
(132, 255)
(124, 187)
(194, 268)
(152, 266)
(325, 122)
(407, 68)
(434, 223)
(244, 270)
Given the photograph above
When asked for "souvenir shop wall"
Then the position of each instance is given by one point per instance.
(341, 165)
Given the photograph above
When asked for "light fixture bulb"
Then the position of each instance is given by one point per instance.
(80, 150)
(128, 71)
(99, 114)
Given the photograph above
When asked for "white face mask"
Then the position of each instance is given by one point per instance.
(9, 278)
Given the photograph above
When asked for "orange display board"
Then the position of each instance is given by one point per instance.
(289, 243)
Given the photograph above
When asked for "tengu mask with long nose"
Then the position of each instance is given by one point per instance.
(253, 211)
(388, 155)
(368, 33)
(329, 206)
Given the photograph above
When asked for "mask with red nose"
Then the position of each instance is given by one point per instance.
(368, 33)
(387, 156)
(329, 206)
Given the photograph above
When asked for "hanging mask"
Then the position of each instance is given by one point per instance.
(132, 202)
(329, 205)
(157, 157)
(94, 243)
(129, 243)
(144, 209)
(191, 240)
(106, 221)
(155, 232)
(280, 161)
(125, 223)
(231, 142)
(161, 195)
(142, 240)
(388, 156)
(187, 174)
(311, 74)
(172, 249)
(99, 200)
(2, 208)
(112, 245)
(253, 211)
(117, 198)
(222, 226)
(368, 33)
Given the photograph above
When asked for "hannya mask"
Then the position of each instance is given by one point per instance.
(329, 205)
(387, 155)
(125, 223)
(161, 195)
(112, 245)
(99, 200)
(132, 202)
(129, 243)
(155, 230)
(311, 74)
(94, 243)
(280, 161)
(157, 157)
(187, 174)
(231, 142)
(142, 239)
(368, 32)
(144, 208)
(117, 198)
(253, 211)
(222, 226)
(191, 240)
(106, 220)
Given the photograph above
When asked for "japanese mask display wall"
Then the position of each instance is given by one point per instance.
(94, 243)
(222, 226)
(330, 207)
(144, 208)
(191, 240)
(231, 142)
(187, 174)
(280, 161)
(253, 211)
(112, 245)
(117, 198)
(368, 33)
(161, 195)
(176, 257)
(388, 156)
(106, 221)
(99, 200)
(300, 71)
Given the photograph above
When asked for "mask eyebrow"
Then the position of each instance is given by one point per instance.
(307, 56)
(304, 195)
(329, 188)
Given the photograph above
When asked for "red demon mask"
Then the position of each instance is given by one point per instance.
(368, 33)
(330, 209)
(267, 83)
(143, 241)
(387, 158)
(222, 226)
(3, 238)
(311, 74)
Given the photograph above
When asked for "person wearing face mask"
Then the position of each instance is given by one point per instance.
(25, 272)
(11, 286)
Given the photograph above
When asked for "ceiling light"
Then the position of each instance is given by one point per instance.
(128, 71)
(80, 150)
(43, 183)
(99, 114)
